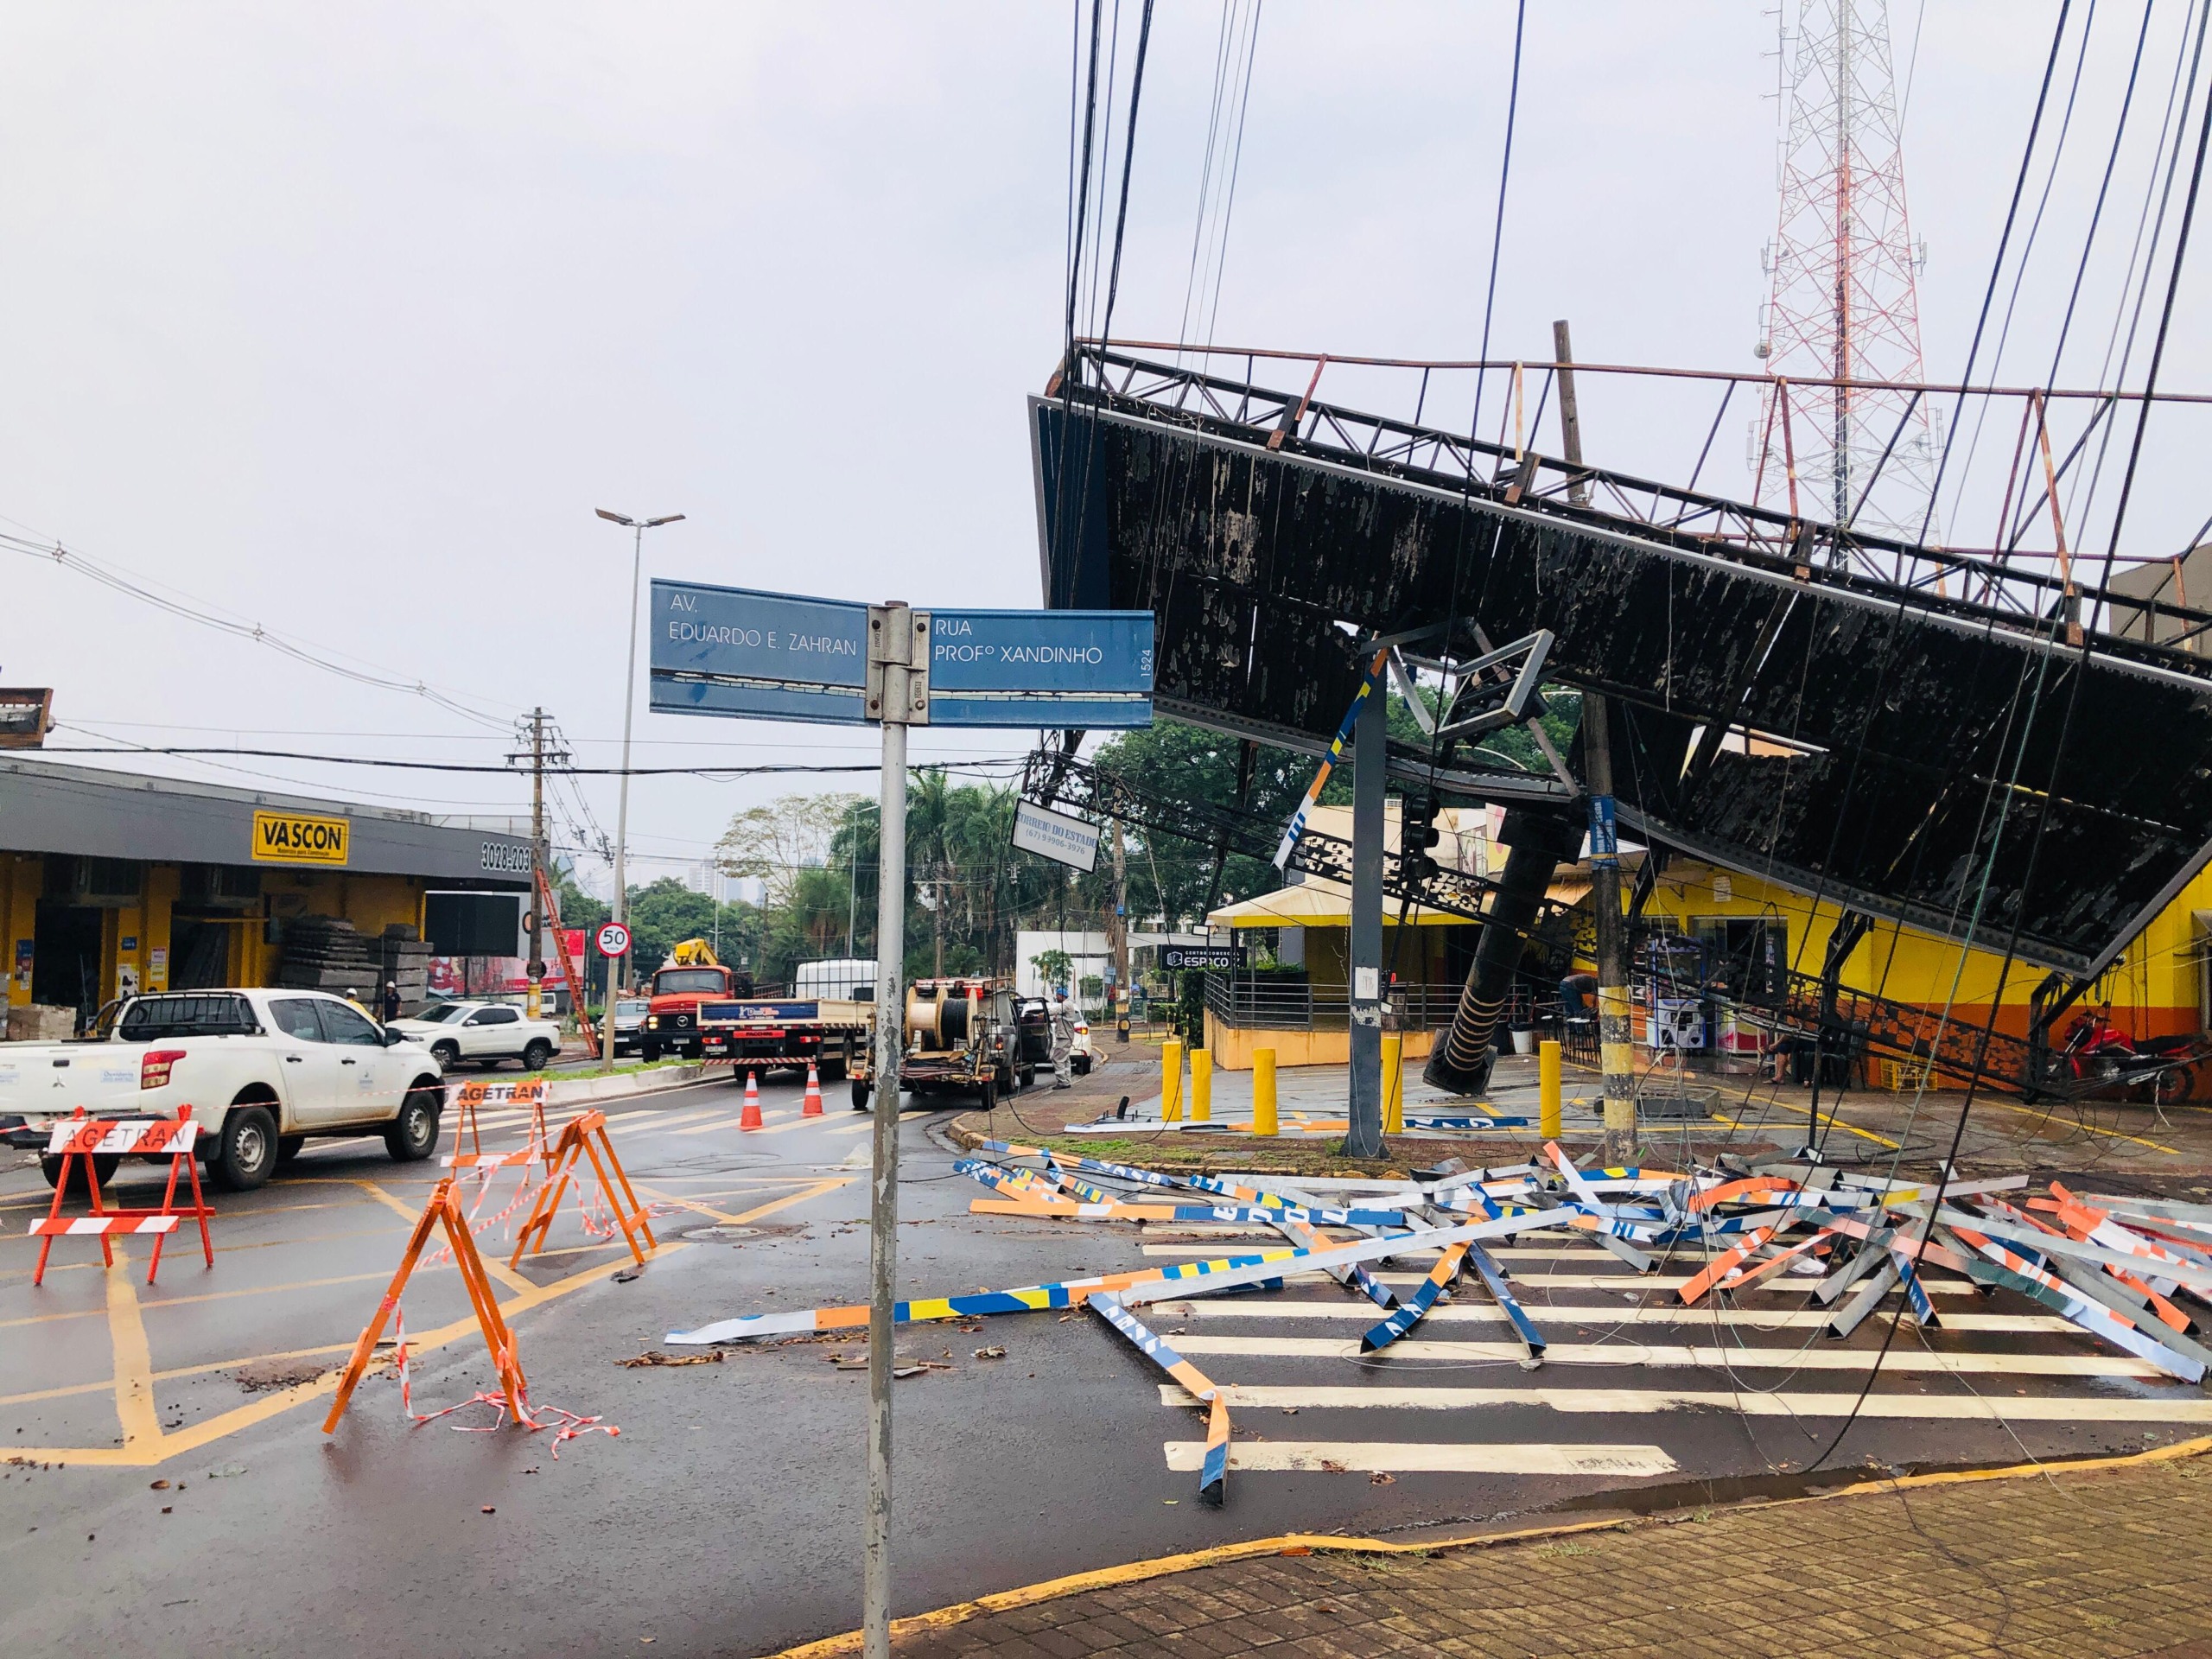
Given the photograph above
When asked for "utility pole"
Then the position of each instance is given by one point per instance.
(537, 963)
(897, 694)
(1117, 938)
(1616, 1029)
(936, 919)
(1370, 739)
(629, 700)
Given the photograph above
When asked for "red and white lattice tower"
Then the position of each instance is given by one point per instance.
(1843, 302)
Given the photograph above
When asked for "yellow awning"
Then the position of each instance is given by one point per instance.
(1313, 904)
(1323, 904)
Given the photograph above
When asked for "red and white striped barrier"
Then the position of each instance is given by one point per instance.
(78, 1139)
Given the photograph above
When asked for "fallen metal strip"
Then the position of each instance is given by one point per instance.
(1213, 1470)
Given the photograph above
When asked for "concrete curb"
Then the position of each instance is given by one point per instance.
(1316, 1543)
(623, 1086)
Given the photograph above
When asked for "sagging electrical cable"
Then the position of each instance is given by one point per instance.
(1497, 227)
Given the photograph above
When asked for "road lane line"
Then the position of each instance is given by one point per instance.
(134, 1359)
(814, 1191)
(1403, 1456)
(271, 1405)
(2019, 1408)
(1809, 1357)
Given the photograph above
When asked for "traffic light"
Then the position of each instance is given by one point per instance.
(1418, 835)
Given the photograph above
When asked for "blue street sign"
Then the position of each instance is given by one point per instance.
(732, 650)
(738, 652)
(1040, 668)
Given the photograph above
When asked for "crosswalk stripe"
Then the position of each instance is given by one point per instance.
(729, 1122)
(1812, 1356)
(1403, 1456)
(1484, 1313)
(1666, 1283)
(2019, 1408)
(657, 1120)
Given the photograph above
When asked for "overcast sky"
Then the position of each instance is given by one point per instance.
(346, 320)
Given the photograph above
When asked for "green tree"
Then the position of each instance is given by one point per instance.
(1052, 967)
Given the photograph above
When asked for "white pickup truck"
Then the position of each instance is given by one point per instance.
(485, 1032)
(262, 1070)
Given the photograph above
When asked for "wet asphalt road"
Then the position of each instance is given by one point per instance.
(726, 1518)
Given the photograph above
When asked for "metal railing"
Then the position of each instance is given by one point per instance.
(1285, 1003)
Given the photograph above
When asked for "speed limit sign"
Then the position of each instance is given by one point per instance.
(613, 939)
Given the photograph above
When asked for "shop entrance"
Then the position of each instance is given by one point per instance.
(66, 972)
(199, 953)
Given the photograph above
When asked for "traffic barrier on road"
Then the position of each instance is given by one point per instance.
(467, 1098)
(812, 1105)
(586, 1136)
(78, 1140)
(443, 1209)
(750, 1117)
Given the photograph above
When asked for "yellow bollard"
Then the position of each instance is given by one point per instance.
(1548, 1089)
(1171, 1082)
(1394, 1082)
(1201, 1085)
(1263, 1091)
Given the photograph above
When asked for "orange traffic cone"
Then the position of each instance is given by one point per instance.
(752, 1118)
(813, 1106)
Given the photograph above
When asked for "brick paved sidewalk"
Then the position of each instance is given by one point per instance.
(2108, 1562)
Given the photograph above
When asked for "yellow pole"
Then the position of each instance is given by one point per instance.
(1547, 1106)
(1201, 1085)
(1170, 1081)
(1394, 1082)
(1263, 1091)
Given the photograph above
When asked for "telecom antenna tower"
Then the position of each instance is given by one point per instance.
(1843, 301)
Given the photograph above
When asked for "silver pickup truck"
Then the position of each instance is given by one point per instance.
(262, 1070)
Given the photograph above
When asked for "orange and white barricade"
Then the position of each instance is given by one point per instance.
(467, 1099)
(586, 1136)
(80, 1139)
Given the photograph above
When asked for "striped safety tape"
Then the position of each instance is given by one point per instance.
(83, 1226)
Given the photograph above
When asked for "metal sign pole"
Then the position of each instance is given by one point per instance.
(892, 652)
(1370, 737)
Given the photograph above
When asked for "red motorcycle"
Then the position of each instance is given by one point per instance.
(2102, 1060)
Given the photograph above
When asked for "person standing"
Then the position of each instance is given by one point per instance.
(391, 1001)
(1063, 1039)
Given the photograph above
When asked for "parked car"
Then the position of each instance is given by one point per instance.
(262, 1071)
(1081, 1057)
(630, 1013)
(485, 1032)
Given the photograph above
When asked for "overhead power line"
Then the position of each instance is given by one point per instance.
(192, 609)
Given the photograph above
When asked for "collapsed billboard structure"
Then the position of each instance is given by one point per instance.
(1911, 734)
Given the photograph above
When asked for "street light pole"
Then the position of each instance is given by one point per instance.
(622, 807)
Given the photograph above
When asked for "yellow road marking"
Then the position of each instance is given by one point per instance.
(854, 1128)
(209, 1296)
(709, 1128)
(134, 1359)
(815, 1190)
(498, 1270)
(165, 1447)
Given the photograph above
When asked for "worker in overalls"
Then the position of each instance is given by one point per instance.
(1063, 1040)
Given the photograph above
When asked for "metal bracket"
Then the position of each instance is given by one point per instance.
(897, 664)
